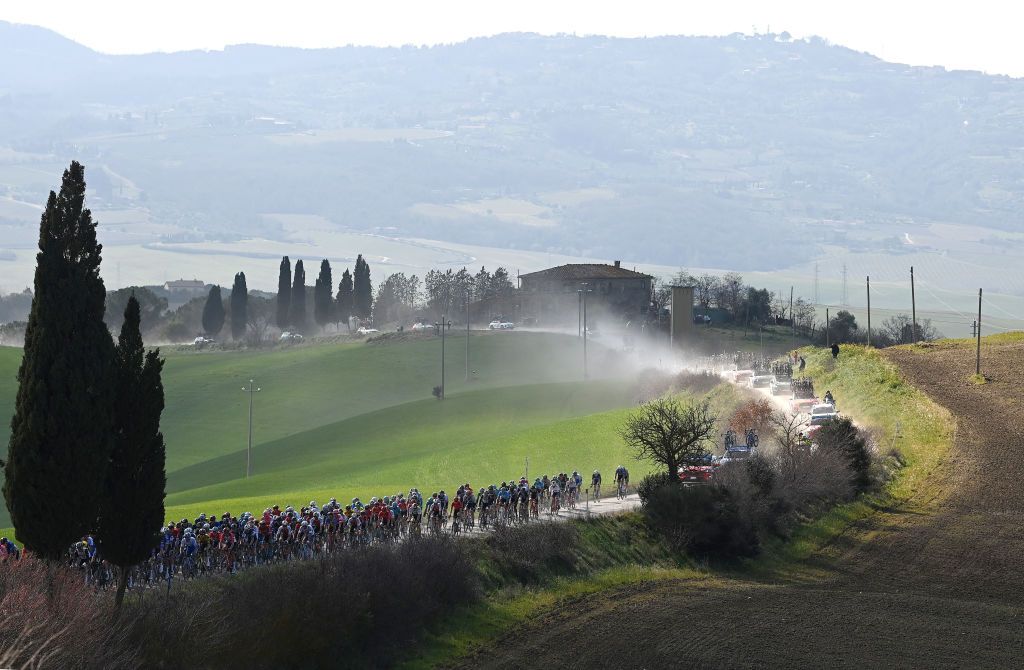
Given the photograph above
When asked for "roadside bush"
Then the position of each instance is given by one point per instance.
(703, 521)
(52, 619)
(840, 436)
(534, 552)
(353, 609)
(651, 483)
(698, 383)
(753, 486)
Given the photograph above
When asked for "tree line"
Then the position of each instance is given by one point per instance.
(86, 455)
(742, 304)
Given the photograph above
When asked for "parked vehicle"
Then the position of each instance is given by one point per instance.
(200, 341)
(288, 336)
(420, 327)
(363, 330)
(501, 325)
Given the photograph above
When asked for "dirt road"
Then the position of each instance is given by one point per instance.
(932, 583)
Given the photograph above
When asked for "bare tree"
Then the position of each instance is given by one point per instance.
(704, 289)
(671, 433)
(258, 318)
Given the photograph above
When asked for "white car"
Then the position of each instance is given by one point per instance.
(781, 387)
(418, 327)
(822, 412)
(288, 336)
(761, 381)
(200, 341)
(362, 330)
(501, 325)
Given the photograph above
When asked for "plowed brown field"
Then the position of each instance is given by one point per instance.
(931, 583)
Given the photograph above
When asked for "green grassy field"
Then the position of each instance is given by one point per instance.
(351, 420)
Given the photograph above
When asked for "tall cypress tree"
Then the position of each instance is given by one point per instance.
(239, 306)
(344, 306)
(133, 500)
(323, 301)
(61, 431)
(362, 290)
(297, 316)
(213, 312)
(284, 293)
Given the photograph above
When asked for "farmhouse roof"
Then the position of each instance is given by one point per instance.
(185, 283)
(584, 271)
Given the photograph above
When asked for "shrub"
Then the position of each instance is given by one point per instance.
(704, 521)
(533, 552)
(840, 436)
(51, 618)
(652, 482)
(698, 383)
(357, 608)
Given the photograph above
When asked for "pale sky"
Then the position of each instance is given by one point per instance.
(978, 35)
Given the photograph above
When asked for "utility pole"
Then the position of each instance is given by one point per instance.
(467, 334)
(827, 342)
(977, 357)
(913, 307)
(792, 319)
(444, 327)
(869, 310)
(846, 294)
(579, 313)
(252, 389)
(817, 299)
(583, 301)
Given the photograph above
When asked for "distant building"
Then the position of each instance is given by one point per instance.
(192, 286)
(614, 293)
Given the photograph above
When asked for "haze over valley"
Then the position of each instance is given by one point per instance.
(760, 154)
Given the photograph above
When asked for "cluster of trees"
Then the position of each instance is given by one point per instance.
(86, 453)
(354, 296)
(740, 302)
(746, 305)
(455, 289)
(897, 329)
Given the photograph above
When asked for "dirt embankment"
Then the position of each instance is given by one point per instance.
(933, 583)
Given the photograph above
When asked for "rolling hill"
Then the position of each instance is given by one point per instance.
(337, 420)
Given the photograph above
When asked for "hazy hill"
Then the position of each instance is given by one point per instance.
(705, 151)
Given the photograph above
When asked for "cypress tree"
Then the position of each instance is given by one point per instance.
(61, 442)
(344, 307)
(213, 312)
(323, 301)
(284, 293)
(239, 306)
(133, 498)
(297, 315)
(362, 290)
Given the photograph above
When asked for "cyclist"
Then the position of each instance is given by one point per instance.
(621, 481)
(556, 490)
(595, 483)
(572, 489)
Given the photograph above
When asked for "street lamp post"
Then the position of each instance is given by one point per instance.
(252, 389)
